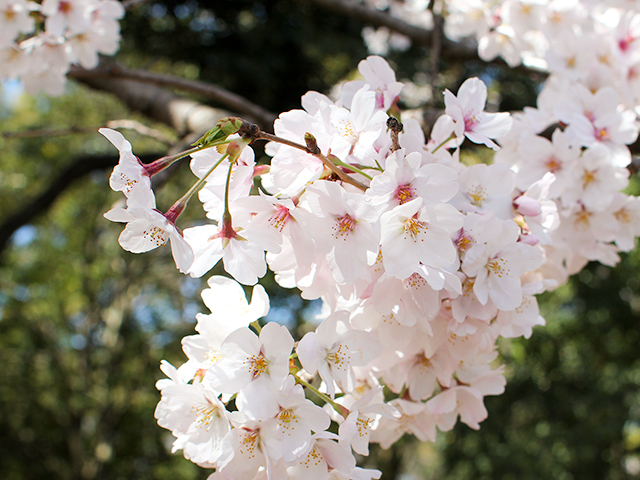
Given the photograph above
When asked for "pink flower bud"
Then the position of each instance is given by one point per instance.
(527, 206)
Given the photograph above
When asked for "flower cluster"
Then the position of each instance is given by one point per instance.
(422, 262)
(39, 42)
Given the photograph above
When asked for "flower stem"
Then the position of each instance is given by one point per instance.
(336, 406)
(256, 326)
(348, 166)
(164, 162)
(316, 153)
(451, 137)
(177, 208)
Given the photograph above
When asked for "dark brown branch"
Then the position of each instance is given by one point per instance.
(79, 168)
(464, 51)
(418, 35)
(224, 97)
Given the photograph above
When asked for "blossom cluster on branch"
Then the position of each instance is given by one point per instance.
(39, 42)
(422, 262)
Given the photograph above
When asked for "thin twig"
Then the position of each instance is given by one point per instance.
(316, 153)
(395, 127)
(75, 129)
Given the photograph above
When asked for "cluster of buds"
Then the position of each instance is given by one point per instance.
(39, 42)
(422, 262)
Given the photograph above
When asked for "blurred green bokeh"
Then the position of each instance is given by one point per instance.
(84, 325)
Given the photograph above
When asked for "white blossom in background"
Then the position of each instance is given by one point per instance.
(69, 32)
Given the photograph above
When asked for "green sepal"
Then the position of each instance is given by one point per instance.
(226, 126)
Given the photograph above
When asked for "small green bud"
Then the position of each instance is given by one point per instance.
(226, 126)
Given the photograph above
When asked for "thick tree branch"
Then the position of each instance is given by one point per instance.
(79, 168)
(418, 35)
(449, 50)
(230, 100)
(183, 115)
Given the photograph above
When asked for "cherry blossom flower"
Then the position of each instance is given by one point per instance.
(470, 120)
(148, 229)
(364, 415)
(297, 418)
(255, 367)
(412, 234)
(334, 349)
(129, 176)
(196, 418)
(344, 227)
(358, 129)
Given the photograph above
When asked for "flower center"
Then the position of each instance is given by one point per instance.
(497, 266)
(287, 419)
(348, 131)
(248, 443)
(129, 183)
(470, 121)
(588, 177)
(344, 226)
(415, 281)
(204, 415)
(156, 235)
(623, 216)
(602, 135)
(553, 165)
(257, 364)
(279, 219)
(414, 228)
(363, 424)
(404, 194)
(464, 242)
(338, 358)
(478, 195)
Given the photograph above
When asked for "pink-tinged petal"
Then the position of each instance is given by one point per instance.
(258, 399)
(481, 287)
(310, 353)
(362, 107)
(338, 457)
(505, 292)
(472, 95)
(493, 125)
(206, 247)
(444, 402)
(364, 347)
(481, 140)
(116, 138)
(472, 410)
(119, 215)
(528, 206)
(182, 253)
(244, 260)
(141, 236)
(277, 342)
(491, 384)
(311, 466)
(259, 306)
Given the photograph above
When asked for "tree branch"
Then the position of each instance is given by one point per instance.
(418, 35)
(224, 97)
(75, 129)
(79, 168)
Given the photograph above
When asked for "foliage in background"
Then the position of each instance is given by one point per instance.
(83, 324)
